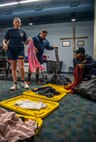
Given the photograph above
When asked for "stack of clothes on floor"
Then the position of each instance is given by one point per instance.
(13, 129)
(86, 88)
(80, 85)
(46, 91)
(30, 105)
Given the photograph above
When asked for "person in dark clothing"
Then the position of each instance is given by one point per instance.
(84, 68)
(13, 42)
(40, 43)
(86, 62)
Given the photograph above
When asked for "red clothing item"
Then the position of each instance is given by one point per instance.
(32, 59)
(78, 76)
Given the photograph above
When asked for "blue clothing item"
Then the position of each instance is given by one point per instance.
(92, 71)
(40, 58)
(41, 44)
(14, 55)
(16, 39)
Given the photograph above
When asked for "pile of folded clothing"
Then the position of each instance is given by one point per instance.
(46, 91)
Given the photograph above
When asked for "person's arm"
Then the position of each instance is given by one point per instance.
(28, 40)
(35, 40)
(48, 46)
(35, 44)
(75, 62)
(5, 45)
(91, 63)
(5, 41)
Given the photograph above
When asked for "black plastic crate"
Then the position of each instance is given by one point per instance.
(52, 66)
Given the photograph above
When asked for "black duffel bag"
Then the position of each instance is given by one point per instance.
(87, 89)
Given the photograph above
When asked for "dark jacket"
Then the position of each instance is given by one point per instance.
(41, 44)
(87, 60)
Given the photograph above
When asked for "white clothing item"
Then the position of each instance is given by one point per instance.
(31, 105)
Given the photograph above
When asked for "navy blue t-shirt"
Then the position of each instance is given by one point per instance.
(41, 44)
(16, 38)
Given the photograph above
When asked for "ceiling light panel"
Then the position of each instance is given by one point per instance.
(18, 2)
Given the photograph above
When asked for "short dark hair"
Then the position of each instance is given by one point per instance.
(45, 31)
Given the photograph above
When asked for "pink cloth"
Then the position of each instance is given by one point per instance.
(13, 129)
(32, 59)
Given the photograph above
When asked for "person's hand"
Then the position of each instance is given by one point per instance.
(29, 39)
(36, 50)
(54, 46)
(5, 47)
(81, 66)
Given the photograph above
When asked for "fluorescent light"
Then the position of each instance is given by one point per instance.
(8, 4)
(19, 2)
(73, 20)
(73, 15)
(27, 1)
(30, 24)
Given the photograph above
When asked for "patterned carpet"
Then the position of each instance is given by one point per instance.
(73, 121)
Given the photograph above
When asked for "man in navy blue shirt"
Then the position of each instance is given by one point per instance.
(14, 44)
(86, 62)
(41, 43)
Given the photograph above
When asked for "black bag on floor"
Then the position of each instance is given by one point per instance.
(87, 89)
(60, 79)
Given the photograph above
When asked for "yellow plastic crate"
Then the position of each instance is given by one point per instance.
(9, 104)
(54, 98)
(58, 88)
(39, 121)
